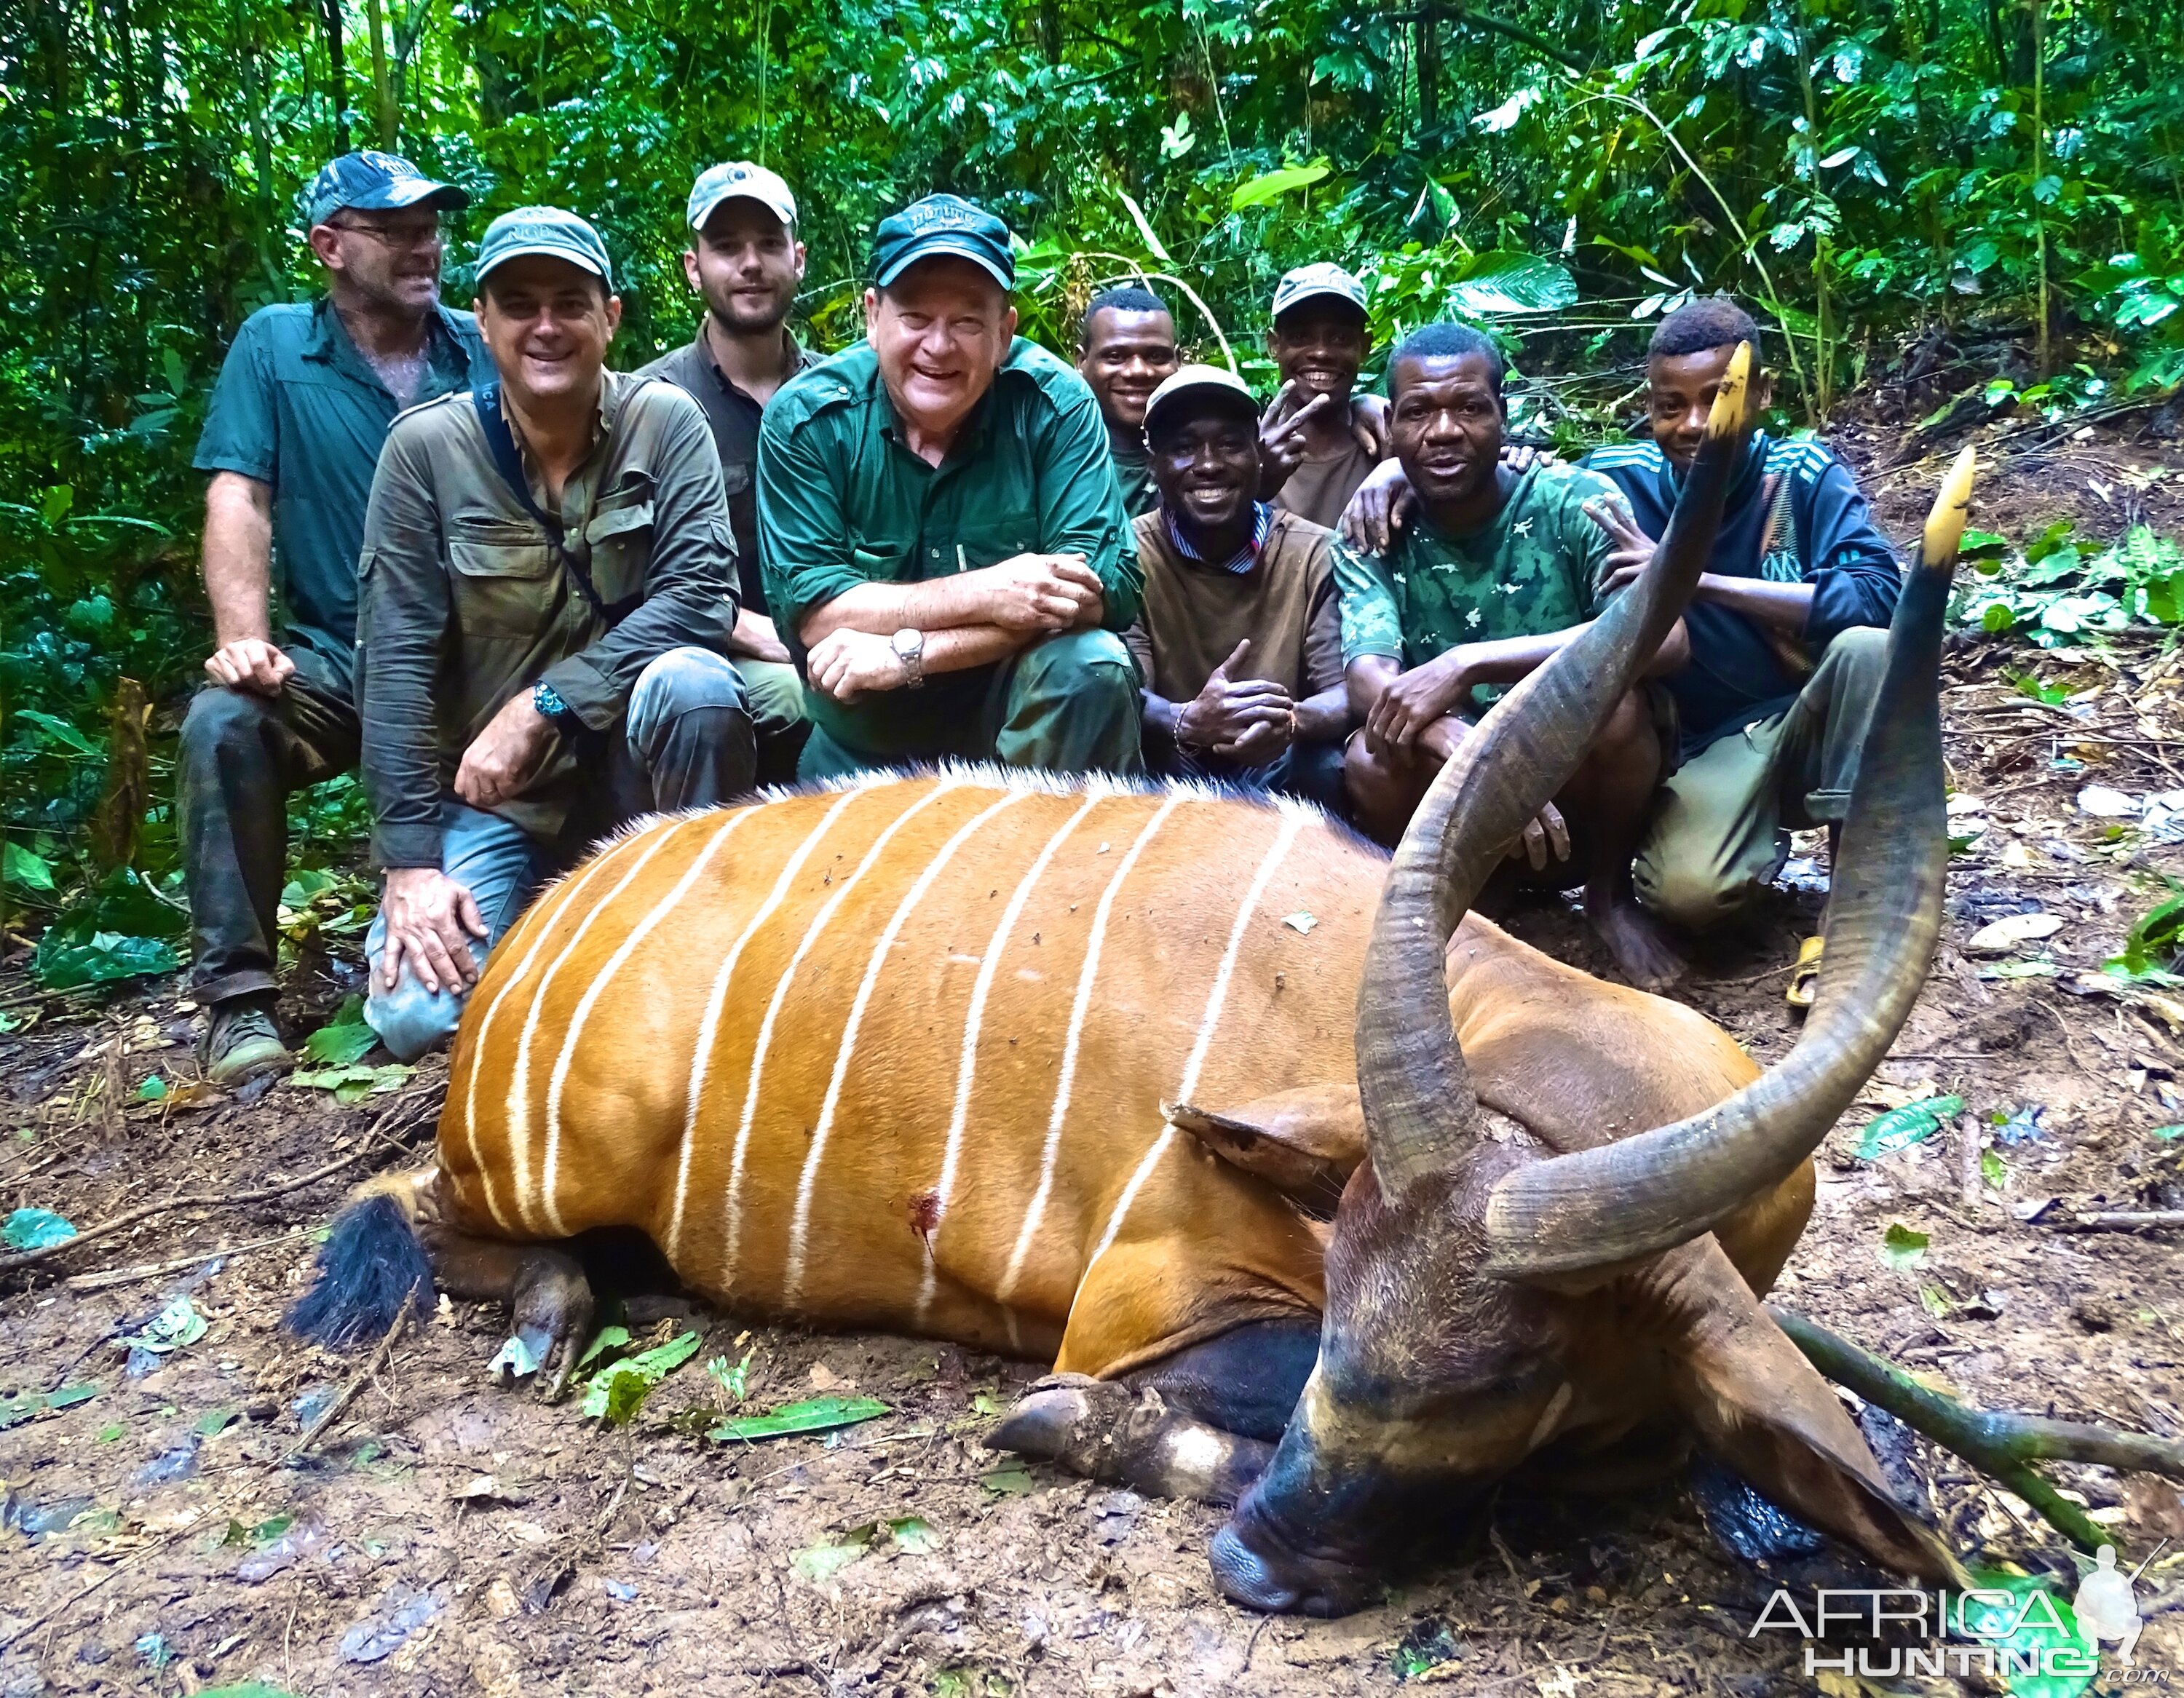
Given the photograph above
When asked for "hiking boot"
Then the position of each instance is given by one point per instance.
(241, 1041)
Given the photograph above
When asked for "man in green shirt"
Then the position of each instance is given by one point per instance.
(946, 549)
(548, 585)
(1501, 569)
(303, 401)
(746, 263)
(1125, 350)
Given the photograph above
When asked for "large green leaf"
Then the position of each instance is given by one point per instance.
(1272, 185)
(1496, 283)
(811, 1415)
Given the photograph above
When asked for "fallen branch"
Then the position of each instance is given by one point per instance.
(147, 1270)
(1998, 1443)
(207, 1199)
(349, 1393)
(2114, 1220)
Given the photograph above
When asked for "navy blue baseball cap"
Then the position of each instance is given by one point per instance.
(937, 224)
(376, 182)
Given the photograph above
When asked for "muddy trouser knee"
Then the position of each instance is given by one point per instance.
(1720, 828)
(1069, 703)
(775, 695)
(499, 864)
(240, 756)
(688, 730)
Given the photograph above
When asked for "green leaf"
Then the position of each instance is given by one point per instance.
(2050, 695)
(60, 730)
(1901, 1128)
(36, 1229)
(2168, 1133)
(107, 1435)
(516, 1358)
(15, 1410)
(2036, 1624)
(153, 1090)
(1145, 229)
(64, 962)
(215, 1421)
(608, 1339)
(1902, 1247)
(1272, 185)
(809, 1415)
(1011, 1479)
(343, 1040)
(174, 1327)
(913, 1534)
(618, 1391)
(1495, 283)
(248, 1689)
(26, 870)
(821, 1562)
(1993, 1169)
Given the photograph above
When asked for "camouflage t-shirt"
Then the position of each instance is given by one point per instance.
(1532, 569)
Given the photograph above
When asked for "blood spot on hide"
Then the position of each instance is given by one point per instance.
(925, 1216)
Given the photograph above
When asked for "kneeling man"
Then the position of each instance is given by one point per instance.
(1241, 642)
(547, 586)
(946, 546)
(1499, 569)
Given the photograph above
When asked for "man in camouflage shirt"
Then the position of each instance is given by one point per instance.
(1501, 569)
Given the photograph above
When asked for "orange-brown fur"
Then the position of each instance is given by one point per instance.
(1200, 1247)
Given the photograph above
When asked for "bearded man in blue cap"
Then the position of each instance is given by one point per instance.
(946, 552)
(303, 401)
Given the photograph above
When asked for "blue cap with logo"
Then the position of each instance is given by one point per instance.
(376, 183)
(943, 225)
(544, 230)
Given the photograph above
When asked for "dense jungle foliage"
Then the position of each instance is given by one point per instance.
(1983, 195)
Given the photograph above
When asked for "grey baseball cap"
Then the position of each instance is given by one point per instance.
(740, 179)
(544, 230)
(376, 183)
(1308, 282)
(1207, 387)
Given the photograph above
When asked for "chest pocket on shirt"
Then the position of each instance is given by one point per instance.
(989, 538)
(503, 576)
(620, 538)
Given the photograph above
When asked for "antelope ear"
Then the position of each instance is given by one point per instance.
(1761, 1407)
(1303, 1143)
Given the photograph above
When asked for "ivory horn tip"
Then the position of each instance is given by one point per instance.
(1726, 418)
(1945, 524)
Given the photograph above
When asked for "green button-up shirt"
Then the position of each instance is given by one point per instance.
(298, 407)
(464, 602)
(842, 501)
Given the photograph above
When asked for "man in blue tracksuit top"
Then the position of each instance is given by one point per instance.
(1787, 630)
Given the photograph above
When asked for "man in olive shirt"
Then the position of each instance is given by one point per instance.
(746, 263)
(1241, 643)
(1501, 569)
(945, 545)
(549, 580)
(1125, 350)
(303, 401)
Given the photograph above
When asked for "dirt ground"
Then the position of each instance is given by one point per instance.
(164, 1533)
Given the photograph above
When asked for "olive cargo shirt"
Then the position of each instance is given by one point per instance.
(842, 502)
(464, 602)
(295, 406)
(733, 416)
(1531, 569)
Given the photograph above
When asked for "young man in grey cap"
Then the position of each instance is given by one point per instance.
(1241, 646)
(945, 548)
(303, 401)
(746, 263)
(1319, 341)
(549, 586)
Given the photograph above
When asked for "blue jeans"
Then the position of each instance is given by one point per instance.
(686, 742)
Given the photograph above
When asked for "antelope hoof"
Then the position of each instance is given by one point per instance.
(553, 1312)
(1062, 1418)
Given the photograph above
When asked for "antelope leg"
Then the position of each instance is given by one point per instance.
(545, 1287)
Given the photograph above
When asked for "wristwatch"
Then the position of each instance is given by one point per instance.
(909, 644)
(551, 708)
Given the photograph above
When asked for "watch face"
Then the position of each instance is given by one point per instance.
(908, 643)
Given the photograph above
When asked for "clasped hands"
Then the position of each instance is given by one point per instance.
(1031, 595)
(1248, 720)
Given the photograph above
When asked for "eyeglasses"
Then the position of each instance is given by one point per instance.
(397, 235)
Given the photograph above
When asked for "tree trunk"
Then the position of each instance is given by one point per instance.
(383, 97)
(337, 69)
(1429, 61)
